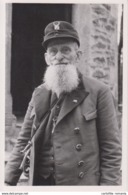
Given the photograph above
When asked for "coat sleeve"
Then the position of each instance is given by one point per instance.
(109, 139)
(12, 171)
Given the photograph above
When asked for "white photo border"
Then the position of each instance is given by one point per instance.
(124, 186)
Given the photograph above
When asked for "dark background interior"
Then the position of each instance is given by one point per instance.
(27, 62)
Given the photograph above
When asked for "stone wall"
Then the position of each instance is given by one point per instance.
(97, 27)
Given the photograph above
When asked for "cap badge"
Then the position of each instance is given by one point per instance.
(56, 25)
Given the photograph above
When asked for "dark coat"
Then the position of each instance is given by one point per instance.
(86, 139)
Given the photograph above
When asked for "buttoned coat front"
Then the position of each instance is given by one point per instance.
(86, 138)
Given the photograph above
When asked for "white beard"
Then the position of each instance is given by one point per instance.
(61, 78)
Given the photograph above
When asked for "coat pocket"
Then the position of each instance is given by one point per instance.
(91, 115)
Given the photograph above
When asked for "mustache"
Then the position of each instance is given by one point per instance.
(61, 62)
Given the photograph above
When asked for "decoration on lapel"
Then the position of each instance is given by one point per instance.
(75, 101)
(56, 25)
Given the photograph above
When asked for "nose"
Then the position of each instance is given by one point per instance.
(59, 55)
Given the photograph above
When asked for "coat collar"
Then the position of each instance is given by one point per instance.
(44, 99)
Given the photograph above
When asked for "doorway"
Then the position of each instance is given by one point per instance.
(27, 62)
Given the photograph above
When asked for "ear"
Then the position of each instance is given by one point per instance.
(47, 59)
(79, 55)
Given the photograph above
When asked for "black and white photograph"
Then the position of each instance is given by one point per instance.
(65, 108)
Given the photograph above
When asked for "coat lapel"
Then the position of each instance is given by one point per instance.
(42, 102)
(71, 101)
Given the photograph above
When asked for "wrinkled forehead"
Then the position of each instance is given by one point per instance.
(59, 42)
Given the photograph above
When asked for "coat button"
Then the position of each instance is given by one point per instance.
(51, 169)
(52, 157)
(78, 147)
(57, 106)
(80, 163)
(81, 175)
(76, 130)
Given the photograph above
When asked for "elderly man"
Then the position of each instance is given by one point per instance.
(71, 122)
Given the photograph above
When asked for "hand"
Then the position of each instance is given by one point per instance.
(6, 184)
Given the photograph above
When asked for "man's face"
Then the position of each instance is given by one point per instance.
(61, 52)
